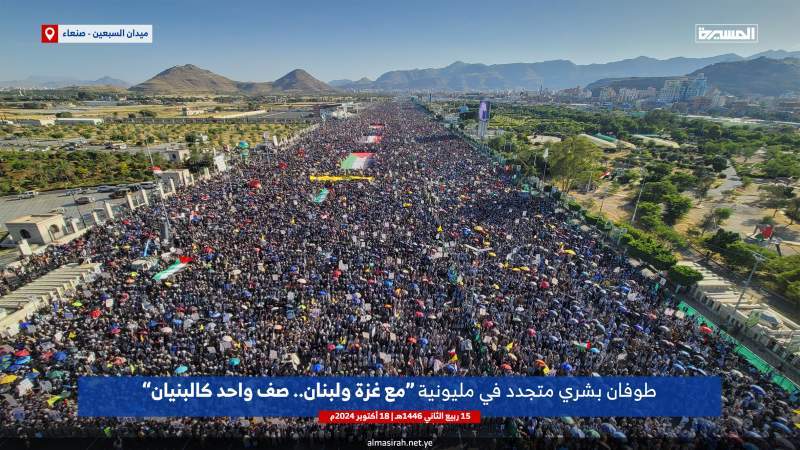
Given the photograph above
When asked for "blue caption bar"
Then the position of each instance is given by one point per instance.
(306, 396)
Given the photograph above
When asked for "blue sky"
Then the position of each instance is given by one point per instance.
(262, 40)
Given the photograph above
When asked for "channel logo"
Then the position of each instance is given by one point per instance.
(49, 34)
(726, 33)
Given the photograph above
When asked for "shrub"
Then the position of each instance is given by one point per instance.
(684, 275)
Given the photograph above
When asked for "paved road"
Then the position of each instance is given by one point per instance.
(45, 202)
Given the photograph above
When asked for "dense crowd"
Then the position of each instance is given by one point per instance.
(438, 266)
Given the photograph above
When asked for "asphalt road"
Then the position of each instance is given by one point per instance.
(11, 208)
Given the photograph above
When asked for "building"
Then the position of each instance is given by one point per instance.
(671, 92)
(695, 87)
(181, 177)
(607, 93)
(78, 121)
(36, 122)
(174, 154)
(101, 103)
(191, 112)
(37, 228)
(683, 88)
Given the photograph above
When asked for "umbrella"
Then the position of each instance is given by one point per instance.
(7, 379)
(531, 332)
(638, 327)
(608, 428)
(23, 360)
(567, 367)
(782, 427)
(592, 434)
(595, 374)
(181, 369)
(234, 361)
(679, 368)
(55, 374)
(736, 373)
(505, 367)
(540, 363)
(339, 347)
(576, 432)
(758, 389)
(705, 329)
(316, 368)
(23, 352)
(331, 347)
(227, 338)
(665, 329)
(594, 350)
(600, 327)
(555, 338)
(166, 330)
(423, 342)
(619, 435)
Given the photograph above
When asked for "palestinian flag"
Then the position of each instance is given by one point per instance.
(356, 161)
(323, 194)
(176, 267)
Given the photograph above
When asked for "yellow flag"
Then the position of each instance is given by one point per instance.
(546, 370)
(454, 358)
(509, 346)
(52, 400)
(439, 229)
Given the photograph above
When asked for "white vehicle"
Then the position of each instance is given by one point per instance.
(27, 194)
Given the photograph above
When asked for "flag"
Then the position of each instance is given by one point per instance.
(454, 358)
(321, 196)
(452, 275)
(176, 267)
(53, 399)
(356, 161)
(509, 346)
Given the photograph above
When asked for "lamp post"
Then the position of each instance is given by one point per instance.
(636, 206)
(758, 259)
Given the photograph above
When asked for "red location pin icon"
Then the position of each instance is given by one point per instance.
(49, 34)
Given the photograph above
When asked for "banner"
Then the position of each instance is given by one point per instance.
(338, 178)
(309, 396)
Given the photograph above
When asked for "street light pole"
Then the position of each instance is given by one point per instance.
(758, 260)
(163, 202)
(636, 206)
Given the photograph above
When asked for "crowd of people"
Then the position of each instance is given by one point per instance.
(437, 266)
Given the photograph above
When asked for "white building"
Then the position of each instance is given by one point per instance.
(78, 121)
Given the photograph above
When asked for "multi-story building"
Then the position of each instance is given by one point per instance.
(607, 93)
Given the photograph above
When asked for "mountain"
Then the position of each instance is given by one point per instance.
(555, 74)
(185, 79)
(50, 82)
(192, 79)
(350, 83)
(775, 54)
(300, 80)
(762, 76)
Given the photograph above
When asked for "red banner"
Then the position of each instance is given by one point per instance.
(401, 417)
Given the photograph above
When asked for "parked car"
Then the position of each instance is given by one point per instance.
(119, 193)
(84, 200)
(58, 210)
(148, 185)
(27, 194)
(76, 191)
(133, 187)
(105, 188)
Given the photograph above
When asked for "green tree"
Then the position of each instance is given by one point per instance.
(573, 159)
(775, 196)
(656, 191)
(675, 207)
(683, 275)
